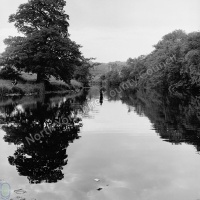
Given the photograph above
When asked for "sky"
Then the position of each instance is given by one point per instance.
(115, 30)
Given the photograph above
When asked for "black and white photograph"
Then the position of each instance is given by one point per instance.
(100, 100)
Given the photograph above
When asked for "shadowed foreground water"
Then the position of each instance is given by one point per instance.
(115, 143)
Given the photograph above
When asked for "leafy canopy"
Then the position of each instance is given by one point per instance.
(45, 48)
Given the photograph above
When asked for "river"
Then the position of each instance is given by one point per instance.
(100, 148)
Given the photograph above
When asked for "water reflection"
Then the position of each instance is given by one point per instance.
(42, 132)
(116, 147)
(176, 118)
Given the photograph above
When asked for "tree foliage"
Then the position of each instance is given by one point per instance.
(174, 63)
(45, 48)
(9, 72)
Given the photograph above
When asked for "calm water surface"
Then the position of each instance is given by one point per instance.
(117, 144)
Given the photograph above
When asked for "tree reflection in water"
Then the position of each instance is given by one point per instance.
(42, 159)
(175, 117)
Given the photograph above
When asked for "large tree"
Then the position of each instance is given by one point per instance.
(45, 48)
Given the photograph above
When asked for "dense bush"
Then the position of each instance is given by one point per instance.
(8, 73)
(113, 78)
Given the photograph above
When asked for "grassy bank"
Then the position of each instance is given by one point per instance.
(6, 88)
(27, 85)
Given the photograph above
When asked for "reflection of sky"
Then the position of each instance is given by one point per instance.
(121, 150)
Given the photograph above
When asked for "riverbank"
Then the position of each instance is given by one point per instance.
(28, 86)
(8, 89)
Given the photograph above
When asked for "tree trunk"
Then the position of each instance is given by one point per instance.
(39, 77)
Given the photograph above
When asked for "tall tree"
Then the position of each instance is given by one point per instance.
(46, 48)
